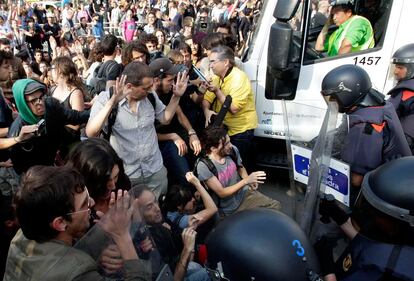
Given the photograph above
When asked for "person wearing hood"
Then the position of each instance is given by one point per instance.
(49, 117)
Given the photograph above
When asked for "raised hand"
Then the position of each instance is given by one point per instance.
(191, 178)
(117, 220)
(119, 93)
(189, 237)
(181, 84)
(208, 114)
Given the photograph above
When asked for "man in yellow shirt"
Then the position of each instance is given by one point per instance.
(241, 118)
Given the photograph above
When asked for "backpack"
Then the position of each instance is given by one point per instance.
(114, 112)
(99, 77)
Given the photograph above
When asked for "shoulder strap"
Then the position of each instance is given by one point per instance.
(71, 92)
(233, 157)
(100, 69)
(392, 262)
(110, 68)
(151, 98)
(112, 116)
(207, 161)
(209, 165)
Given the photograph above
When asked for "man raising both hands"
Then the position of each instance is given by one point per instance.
(133, 134)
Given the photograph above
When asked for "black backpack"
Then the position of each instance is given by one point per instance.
(114, 113)
(100, 75)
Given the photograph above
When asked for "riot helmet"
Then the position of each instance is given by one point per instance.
(385, 206)
(261, 245)
(349, 85)
(405, 56)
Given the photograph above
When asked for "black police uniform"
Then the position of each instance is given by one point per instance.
(402, 97)
(375, 136)
(366, 260)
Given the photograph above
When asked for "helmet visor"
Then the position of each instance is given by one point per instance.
(403, 60)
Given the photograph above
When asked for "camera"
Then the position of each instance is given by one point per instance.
(41, 127)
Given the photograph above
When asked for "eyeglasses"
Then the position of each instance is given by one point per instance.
(214, 61)
(87, 209)
(36, 100)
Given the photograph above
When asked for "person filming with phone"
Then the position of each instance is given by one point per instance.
(45, 118)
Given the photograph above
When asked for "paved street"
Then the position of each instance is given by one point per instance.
(277, 187)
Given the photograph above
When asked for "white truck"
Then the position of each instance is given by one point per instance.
(282, 64)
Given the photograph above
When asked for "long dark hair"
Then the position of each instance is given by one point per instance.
(95, 159)
(68, 69)
(176, 196)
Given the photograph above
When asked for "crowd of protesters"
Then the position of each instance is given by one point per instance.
(122, 95)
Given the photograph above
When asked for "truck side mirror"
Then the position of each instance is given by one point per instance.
(285, 9)
(279, 45)
(282, 57)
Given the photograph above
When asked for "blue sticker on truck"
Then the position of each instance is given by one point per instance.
(335, 179)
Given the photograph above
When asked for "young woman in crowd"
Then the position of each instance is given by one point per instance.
(102, 170)
(179, 204)
(69, 90)
(162, 46)
(129, 27)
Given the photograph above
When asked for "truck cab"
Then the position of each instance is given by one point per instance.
(286, 71)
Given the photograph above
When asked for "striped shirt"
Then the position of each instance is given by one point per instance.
(133, 135)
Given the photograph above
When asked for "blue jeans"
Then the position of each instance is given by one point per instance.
(176, 165)
(196, 272)
(243, 142)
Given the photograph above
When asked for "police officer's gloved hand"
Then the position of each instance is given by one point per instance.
(328, 208)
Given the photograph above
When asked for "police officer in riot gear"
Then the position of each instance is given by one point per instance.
(260, 245)
(402, 95)
(383, 248)
(375, 135)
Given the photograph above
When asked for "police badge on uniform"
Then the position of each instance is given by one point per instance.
(347, 263)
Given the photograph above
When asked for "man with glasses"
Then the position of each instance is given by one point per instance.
(53, 209)
(50, 117)
(241, 120)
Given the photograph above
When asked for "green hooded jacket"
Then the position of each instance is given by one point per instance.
(24, 110)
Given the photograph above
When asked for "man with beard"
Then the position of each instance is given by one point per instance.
(53, 210)
(223, 173)
(402, 95)
(173, 138)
